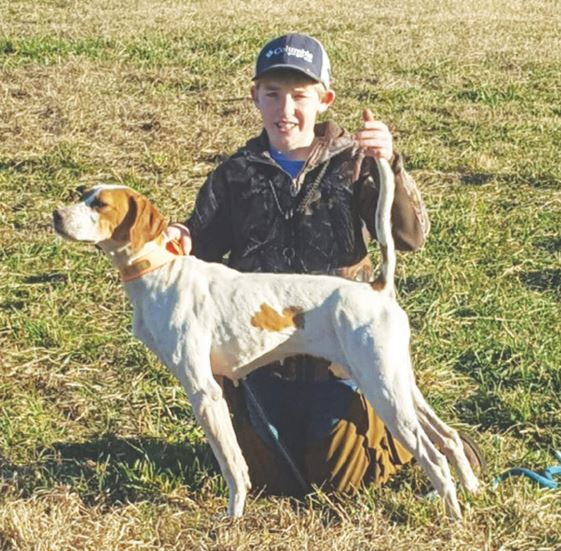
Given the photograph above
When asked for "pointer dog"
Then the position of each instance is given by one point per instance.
(202, 319)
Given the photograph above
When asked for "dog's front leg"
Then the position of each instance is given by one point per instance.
(211, 411)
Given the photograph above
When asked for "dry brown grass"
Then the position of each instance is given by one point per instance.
(58, 519)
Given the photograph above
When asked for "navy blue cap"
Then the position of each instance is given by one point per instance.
(295, 51)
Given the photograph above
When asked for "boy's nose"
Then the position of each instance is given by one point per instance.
(287, 104)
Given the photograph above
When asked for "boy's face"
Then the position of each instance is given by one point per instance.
(289, 108)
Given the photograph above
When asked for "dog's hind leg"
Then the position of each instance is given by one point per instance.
(397, 412)
(447, 439)
(388, 386)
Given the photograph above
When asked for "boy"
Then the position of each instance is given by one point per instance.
(288, 202)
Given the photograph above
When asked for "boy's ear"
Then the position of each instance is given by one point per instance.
(326, 101)
(254, 94)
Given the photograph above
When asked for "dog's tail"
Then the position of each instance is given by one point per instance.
(385, 281)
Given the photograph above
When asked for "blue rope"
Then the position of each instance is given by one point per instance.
(546, 479)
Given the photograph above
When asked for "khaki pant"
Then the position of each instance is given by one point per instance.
(359, 450)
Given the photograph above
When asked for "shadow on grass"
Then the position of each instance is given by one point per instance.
(502, 401)
(543, 280)
(46, 278)
(411, 284)
(549, 244)
(485, 407)
(115, 470)
(545, 181)
(477, 179)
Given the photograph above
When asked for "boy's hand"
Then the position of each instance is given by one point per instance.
(374, 138)
(180, 234)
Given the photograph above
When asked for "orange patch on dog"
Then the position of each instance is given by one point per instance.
(113, 207)
(270, 320)
(379, 284)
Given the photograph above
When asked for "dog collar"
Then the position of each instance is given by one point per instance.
(160, 254)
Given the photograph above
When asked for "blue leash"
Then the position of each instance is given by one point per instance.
(546, 479)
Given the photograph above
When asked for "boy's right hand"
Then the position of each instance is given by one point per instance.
(180, 234)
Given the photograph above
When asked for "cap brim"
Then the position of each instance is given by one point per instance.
(287, 66)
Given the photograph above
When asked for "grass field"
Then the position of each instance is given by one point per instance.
(98, 446)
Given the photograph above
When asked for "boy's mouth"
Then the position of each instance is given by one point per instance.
(285, 126)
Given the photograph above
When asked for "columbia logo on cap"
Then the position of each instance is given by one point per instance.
(289, 51)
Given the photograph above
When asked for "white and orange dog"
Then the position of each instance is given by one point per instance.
(202, 319)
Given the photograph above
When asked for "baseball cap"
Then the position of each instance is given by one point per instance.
(295, 51)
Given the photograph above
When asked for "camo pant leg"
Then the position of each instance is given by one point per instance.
(360, 450)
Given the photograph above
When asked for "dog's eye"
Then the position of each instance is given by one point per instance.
(98, 204)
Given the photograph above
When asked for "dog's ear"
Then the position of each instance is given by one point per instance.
(141, 224)
(147, 222)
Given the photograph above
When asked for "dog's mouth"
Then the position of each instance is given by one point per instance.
(66, 236)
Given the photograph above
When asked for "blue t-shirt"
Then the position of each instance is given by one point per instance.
(288, 165)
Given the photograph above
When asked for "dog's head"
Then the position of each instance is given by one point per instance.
(111, 216)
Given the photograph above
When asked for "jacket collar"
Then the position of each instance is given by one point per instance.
(330, 140)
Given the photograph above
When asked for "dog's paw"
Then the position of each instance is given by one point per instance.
(472, 484)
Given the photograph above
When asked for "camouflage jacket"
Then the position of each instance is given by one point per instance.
(269, 222)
